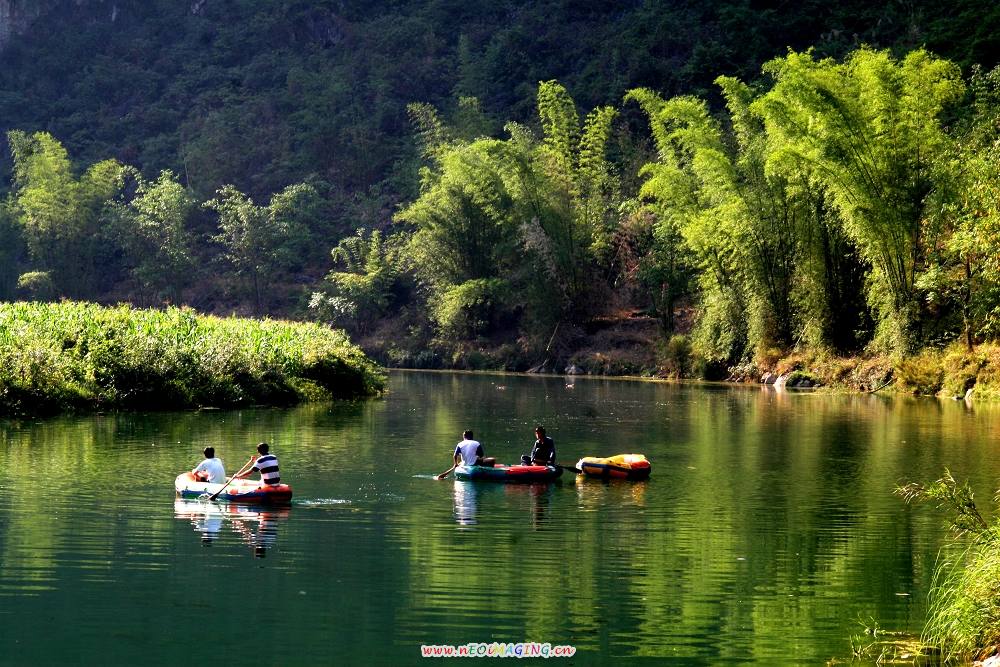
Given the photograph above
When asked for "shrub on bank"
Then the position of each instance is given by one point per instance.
(675, 357)
(77, 356)
(949, 372)
(921, 374)
(613, 362)
(979, 368)
(952, 371)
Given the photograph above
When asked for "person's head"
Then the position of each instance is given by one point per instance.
(262, 448)
(467, 435)
(540, 431)
(210, 452)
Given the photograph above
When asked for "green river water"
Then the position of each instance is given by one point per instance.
(767, 534)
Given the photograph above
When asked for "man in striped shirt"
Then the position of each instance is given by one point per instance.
(266, 464)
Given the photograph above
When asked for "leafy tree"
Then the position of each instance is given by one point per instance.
(741, 224)
(797, 253)
(62, 215)
(515, 215)
(36, 286)
(465, 229)
(577, 207)
(463, 217)
(301, 210)
(962, 225)
(361, 288)
(153, 231)
(470, 308)
(261, 241)
(660, 262)
(11, 251)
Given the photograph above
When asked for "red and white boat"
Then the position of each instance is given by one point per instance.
(237, 491)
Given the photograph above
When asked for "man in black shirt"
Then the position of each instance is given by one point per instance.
(544, 451)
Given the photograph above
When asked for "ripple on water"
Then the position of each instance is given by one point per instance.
(322, 502)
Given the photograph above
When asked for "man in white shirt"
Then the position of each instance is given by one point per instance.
(211, 469)
(468, 452)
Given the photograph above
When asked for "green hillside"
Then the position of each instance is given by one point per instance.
(261, 94)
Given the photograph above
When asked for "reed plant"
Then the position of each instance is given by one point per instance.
(964, 616)
(82, 356)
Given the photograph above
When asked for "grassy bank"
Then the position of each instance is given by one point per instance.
(79, 356)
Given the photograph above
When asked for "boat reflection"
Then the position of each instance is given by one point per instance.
(257, 526)
(595, 493)
(539, 497)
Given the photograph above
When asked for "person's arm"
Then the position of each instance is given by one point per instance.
(455, 459)
(244, 471)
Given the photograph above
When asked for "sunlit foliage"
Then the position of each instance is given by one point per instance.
(81, 356)
(62, 215)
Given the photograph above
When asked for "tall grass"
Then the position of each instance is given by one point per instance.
(964, 616)
(80, 356)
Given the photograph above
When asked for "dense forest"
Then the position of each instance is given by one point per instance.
(716, 184)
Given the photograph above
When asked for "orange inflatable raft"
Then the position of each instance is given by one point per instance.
(622, 466)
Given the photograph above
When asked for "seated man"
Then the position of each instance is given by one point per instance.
(266, 464)
(211, 469)
(544, 451)
(468, 452)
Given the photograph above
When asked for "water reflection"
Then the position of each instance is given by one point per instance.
(539, 500)
(465, 503)
(256, 526)
(768, 528)
(205, 517)
(259, 529)
(468, 496)
(594, 493)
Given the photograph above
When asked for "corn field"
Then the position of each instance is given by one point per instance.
(73, 356)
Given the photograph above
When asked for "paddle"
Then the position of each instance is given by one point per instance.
(216, 494)
(446, 472)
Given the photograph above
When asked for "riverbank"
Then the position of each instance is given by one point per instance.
(635, 346)
(950, 372)
(69, 356)
(623, 346)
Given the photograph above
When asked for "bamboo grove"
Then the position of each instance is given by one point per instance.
(841, 206)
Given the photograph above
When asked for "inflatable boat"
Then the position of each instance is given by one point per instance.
(502, 473)
(238, 490)
(622, 466)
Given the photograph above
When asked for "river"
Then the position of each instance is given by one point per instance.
(768, 533)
